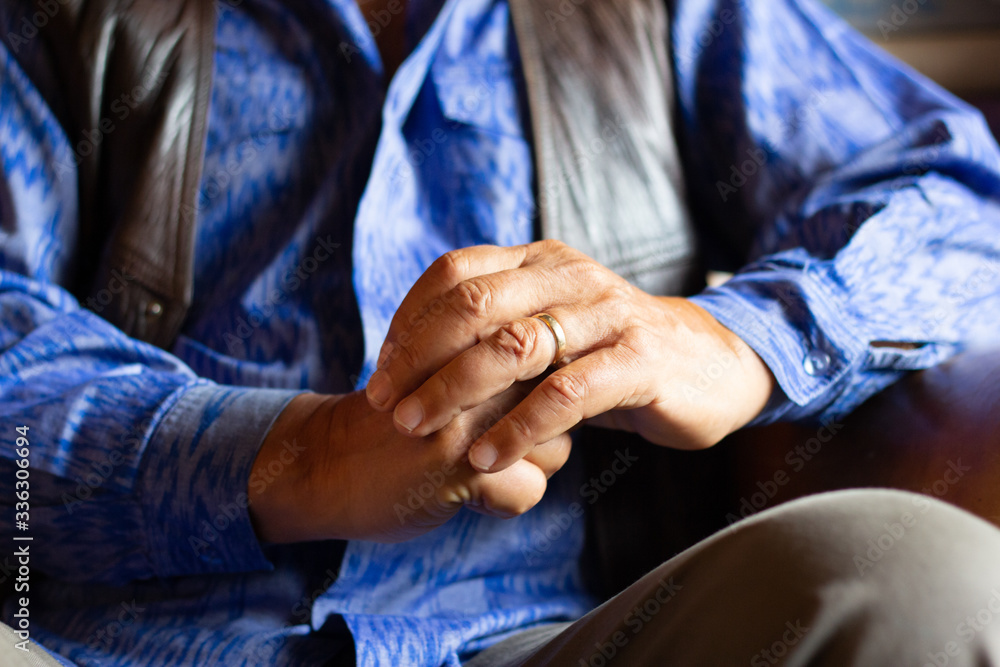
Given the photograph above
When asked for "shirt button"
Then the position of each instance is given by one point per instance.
(154, 309)
(816, 363)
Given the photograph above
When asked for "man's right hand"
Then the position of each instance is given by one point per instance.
(358, 478)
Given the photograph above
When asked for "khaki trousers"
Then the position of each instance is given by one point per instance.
(862, 577)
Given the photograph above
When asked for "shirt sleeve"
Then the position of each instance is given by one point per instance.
(138, 468)
(857, 202)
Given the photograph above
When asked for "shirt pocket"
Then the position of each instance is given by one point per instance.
(478, 95)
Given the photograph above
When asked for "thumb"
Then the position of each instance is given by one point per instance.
(510, 492)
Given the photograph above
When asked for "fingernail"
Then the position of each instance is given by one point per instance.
(379, 388)
(409, 414)
(384, 355)
(483, 456)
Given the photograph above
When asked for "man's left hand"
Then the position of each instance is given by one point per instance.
(659, 366)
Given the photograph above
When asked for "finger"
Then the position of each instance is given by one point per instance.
(469, 312)
(445, 273)
(509, 493)
(427, 298)
(519, 350)
(551, 456)
(452, 268)
(585, 388)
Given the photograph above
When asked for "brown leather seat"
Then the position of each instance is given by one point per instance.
(936, 431)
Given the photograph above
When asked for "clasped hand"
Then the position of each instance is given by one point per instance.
(633, 361)
(462, 410)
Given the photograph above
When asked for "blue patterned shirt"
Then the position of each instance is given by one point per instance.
(855, 201)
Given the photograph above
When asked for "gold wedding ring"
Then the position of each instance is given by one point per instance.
(557, 333)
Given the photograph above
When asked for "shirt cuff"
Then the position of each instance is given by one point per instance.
(194, 477)
(789, 309)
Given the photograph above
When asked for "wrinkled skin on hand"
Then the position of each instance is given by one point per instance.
(633, 361)
(359, 478)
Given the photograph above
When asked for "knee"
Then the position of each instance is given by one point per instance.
(856, 531)
(852, 577)
(920, 571)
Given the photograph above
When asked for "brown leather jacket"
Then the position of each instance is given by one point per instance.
(588, 65)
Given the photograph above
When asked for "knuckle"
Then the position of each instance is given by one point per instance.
(566, 391)
(552, 245)
(638, 339)
(449, 388)
(451, 267)
(520, 427)
(405, 355)
(617, 292)
(586, 271)
(473, 300)
(515, 341)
